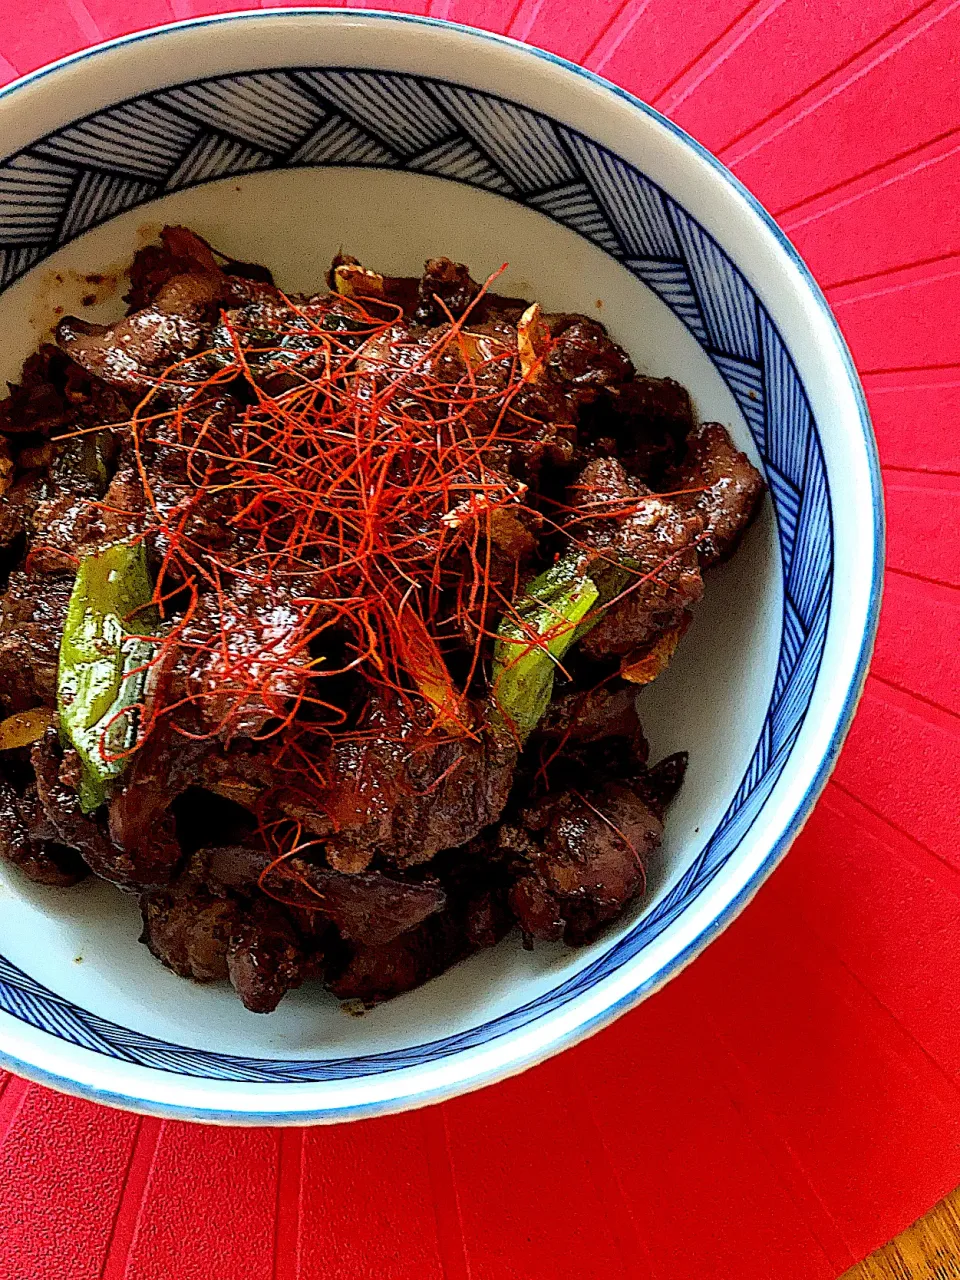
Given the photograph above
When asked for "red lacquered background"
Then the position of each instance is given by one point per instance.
(793, 1099)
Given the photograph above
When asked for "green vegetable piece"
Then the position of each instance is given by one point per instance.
(94, 458)
(562, 605)
(535, 636)
(102, 664)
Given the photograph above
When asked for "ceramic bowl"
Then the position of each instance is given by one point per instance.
(282, 136)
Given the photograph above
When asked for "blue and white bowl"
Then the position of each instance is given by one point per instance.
(282, 136)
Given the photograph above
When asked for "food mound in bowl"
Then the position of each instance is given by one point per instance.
(325, 616)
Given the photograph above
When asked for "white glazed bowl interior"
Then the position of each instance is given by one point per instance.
(697, 285)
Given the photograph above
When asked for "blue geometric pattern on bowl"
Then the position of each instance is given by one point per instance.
(199, 132)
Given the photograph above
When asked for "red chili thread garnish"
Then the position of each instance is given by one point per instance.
(347, 500)
(337, 517)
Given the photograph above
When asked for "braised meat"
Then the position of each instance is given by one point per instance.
(31, 624)
(189, 930)
(369, 907)
(209, 936)
(38, 404)
(374, 974)
(580, 843)
(322, 615)
(658, 539)
(583, 359)
(29, 841)
(582, 858)
(592, 724)
(179, 253)
(265, 957)
(724, 488)
(398, 793)
(475, 915)
(132, 353)
(151, 861)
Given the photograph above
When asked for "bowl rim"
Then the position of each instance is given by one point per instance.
(416, 1096)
